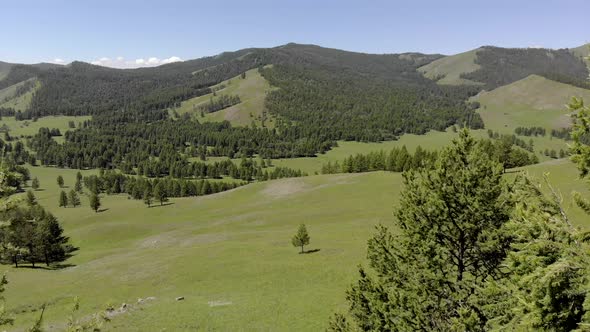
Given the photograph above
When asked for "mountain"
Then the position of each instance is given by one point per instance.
(448, 70)
(491, 67)
(320, 95)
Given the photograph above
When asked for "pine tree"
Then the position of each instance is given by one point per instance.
(63, 199)
(450, 241)
(31, 199)
(73, 198)
(160, 193)
(301, 238)
(60, 181)
(78, 185)
(579, 151)
(147, 196)
(35, 183)
(94, 202)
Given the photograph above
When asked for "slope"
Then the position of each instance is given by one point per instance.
(4, 69)
(252, 91)
(531, 102)
(448, 70)
(229, 254)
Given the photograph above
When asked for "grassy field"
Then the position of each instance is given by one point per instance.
(532, 101)
(252, 90)
(28, 127)
(451, 67)
(228, 254)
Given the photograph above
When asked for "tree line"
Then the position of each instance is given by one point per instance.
(400, 160)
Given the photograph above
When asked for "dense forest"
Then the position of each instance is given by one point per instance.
(501, 66)
(323, 95)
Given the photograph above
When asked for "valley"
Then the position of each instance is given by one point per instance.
(292, 108)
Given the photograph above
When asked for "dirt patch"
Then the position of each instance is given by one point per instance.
(181, 239)
(285, 188)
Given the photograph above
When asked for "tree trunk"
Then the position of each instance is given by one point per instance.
(302, 249)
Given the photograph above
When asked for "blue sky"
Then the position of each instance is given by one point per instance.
(165, 30)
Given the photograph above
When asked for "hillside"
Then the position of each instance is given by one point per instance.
(251, 90)
(4, 69)
(228, 254)
(581, 51)
(532, 101)
(448, 70)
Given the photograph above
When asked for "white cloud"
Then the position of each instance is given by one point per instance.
(536, 46)
(58, 61)
(121, 62)
(172, 59)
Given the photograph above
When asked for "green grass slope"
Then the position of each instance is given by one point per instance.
(532, 101)
(451, 67)
(581, 51)
(251, 90)
(229, 254)
(20, 103)
(8, 93)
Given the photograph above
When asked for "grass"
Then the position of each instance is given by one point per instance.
(451, 67)
(228, 254)
(532, 101)
(252, 90)
(232, 247)
(8, 93)
(20, 103)
(29, 128)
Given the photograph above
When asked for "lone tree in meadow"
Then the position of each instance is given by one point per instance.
(301, 238)
(63, 199)
(35, 184)
(94, 202)
(60, 181)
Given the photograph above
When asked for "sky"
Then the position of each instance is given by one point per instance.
(135, 33)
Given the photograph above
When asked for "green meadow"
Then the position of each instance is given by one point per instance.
(229, 255)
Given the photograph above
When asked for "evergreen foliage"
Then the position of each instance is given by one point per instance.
(301, 238)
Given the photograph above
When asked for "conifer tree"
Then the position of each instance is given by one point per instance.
(63, 199)
(301, 238)
(450, 242)
(60, 181)
(160, 193)
(31, 199)
(94, 202)
(147, 196)
(35, 183)
(73, 198)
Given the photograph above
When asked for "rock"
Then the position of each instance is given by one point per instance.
(150, 298)
(123, 306)
(180, 298)
(140, 300)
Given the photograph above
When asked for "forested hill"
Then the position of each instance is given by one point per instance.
(321, 94)
(501, 66)
(490, 67)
